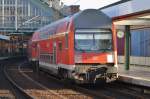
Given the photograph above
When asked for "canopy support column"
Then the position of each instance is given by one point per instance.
(127, 47)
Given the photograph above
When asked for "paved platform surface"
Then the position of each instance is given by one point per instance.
(139, 75)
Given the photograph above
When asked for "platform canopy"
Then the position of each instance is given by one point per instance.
(139, 18)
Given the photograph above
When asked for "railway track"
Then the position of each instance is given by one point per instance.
(7, 90)
(35, 88)
(76, 91)
(121, 93)
(48, 87)
(129, 90)
(116, 90)
(111, 91)
(31, 88)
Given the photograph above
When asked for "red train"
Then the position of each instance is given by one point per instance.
(79, 47)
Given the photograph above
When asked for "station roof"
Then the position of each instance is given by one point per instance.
(138, 18)
(129, 12)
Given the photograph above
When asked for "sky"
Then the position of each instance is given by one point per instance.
(85, 4)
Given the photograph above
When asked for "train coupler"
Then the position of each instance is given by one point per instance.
(111, 77)
(96, 74)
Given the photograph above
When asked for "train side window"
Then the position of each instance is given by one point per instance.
(60, 46)
(66, 40)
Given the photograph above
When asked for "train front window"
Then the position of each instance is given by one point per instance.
(93, 40)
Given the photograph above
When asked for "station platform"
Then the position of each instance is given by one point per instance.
(2, 58)
(139, 75)
(8, 57)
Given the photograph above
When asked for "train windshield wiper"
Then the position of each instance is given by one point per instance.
(80, 49)
(104, 50)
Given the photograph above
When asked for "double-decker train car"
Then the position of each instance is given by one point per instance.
(78, 47)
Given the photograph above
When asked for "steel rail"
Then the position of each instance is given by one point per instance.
(40, 85)
(16, 85)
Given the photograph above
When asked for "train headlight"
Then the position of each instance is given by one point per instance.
(110, 58)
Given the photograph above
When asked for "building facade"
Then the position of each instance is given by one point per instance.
(56, 4)
(24, 15)
(19, 18)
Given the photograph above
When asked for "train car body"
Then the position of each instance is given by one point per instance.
(79, 47)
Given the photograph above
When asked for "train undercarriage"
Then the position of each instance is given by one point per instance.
(84, 73)
(95, 74)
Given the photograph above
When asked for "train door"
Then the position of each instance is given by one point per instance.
(35, 51)
(36, 48)
(38, 51)
(54, 53)
(35, 63)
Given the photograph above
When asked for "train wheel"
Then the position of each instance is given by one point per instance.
(63, 74)
(33, 65)
(100, 82)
